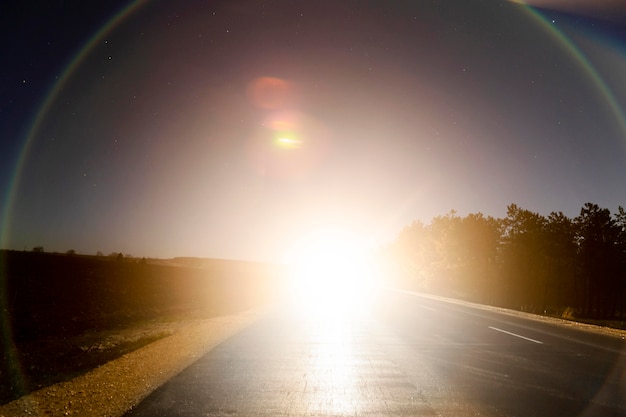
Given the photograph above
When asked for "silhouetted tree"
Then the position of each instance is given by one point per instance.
(447, 254)
(412, 253)
(560, 257)
(620, 224)
(599, 259)
(479, 239)
(523, 258)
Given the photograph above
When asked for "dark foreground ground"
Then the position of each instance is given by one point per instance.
(61, 316)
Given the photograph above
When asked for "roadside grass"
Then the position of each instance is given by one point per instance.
(613, 324)
(571, 314)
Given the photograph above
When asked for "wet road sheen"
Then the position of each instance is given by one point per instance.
(409, 356)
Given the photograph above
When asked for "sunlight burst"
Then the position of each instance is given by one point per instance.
(332, 275)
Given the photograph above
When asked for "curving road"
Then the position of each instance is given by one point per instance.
(412, 355)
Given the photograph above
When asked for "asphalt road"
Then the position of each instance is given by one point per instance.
(411, 356)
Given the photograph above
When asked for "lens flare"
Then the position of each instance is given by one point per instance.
(270, 93)
(288, 142)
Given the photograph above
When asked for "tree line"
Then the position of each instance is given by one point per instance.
(545, 264)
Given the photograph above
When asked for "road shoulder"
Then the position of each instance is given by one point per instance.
(114, 388)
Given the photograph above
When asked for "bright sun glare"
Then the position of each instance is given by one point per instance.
(332, 274)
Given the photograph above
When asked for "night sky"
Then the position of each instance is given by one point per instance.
(231, 129)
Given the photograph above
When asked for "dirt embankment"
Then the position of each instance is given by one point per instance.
(114, 388)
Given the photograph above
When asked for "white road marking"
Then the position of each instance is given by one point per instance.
(428, 308)
(516, 335)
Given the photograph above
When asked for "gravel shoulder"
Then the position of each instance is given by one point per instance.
(114, 388)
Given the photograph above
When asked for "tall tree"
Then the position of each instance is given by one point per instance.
(560, 253)
(447, 254)
(480, 238)
(412, 253)
(620, 224)
(523, 258)
(598, 256)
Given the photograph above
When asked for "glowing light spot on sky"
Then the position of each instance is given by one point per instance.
(332, 274)
(288, 142)
(281, 124)
(270, 93)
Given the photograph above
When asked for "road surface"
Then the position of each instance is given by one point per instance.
(411, 356)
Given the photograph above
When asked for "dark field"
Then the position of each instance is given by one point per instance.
(58, 310)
